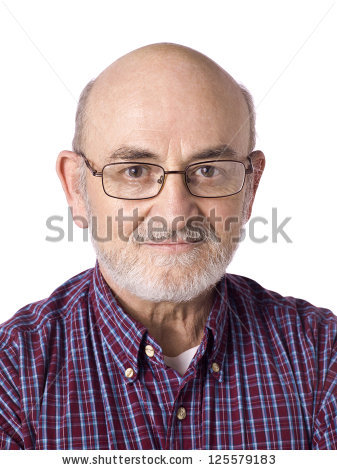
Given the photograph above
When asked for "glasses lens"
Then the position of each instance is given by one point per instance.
(132, 180)
(216, 179)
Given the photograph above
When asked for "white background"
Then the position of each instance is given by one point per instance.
(284, 52)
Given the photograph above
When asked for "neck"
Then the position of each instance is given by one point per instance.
(175, 327)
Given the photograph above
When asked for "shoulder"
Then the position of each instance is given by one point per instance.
(38, 315)
(294, 327)
(249, 293)
(299, 340)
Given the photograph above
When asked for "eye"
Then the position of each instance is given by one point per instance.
(135, 171)
(207, 171)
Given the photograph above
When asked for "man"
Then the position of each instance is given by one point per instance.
(157, 347)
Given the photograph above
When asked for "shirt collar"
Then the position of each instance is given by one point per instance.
(217, 325)
(125, 336)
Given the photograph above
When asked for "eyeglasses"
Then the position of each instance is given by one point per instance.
(139, 180)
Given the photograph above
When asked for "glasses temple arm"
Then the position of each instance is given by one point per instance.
(250, 168)
(94, 172)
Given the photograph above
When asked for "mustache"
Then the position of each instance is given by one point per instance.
(196, 235)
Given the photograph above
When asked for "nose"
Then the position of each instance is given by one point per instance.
(174, 202)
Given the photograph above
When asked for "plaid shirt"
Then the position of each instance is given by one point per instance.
(76, 372)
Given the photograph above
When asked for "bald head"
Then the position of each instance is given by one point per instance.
(175, 77)
(164, 65)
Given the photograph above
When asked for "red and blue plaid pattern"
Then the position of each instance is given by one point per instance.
(63, 382)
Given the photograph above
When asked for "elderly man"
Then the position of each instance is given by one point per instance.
(157, 347)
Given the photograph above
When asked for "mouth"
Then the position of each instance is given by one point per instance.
(171, 242)
(167, 241)
(170, 246)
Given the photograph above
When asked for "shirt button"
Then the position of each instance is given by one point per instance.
(129, 372)
(149, 351)
(215, 367)
(181, 413)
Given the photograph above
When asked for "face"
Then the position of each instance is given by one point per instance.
(173, 112)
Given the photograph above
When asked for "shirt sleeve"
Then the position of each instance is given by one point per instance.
(325, 423)
(10, 422)
(325, 434)
(7, 442)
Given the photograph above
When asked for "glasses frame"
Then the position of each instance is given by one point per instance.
(99, 174)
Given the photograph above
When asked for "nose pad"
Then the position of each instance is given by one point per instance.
(162, 179)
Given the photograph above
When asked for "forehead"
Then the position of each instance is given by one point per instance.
(174, 110)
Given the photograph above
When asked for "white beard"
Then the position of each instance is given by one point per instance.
(178, 277)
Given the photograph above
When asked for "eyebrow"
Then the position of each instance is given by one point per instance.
(135, 153)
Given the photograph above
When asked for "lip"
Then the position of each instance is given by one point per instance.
(168, 243)
(179, 241)
(184, 246)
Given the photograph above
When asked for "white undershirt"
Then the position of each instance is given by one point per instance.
(181, 362)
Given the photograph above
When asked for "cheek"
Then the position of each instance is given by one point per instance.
(114, 219)
(103, 212)
(225, 214)
(127, 218)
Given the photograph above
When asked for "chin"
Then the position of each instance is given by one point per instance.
(166, 278)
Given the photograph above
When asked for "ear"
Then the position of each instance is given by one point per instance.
(67, 166)
(258, 162)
